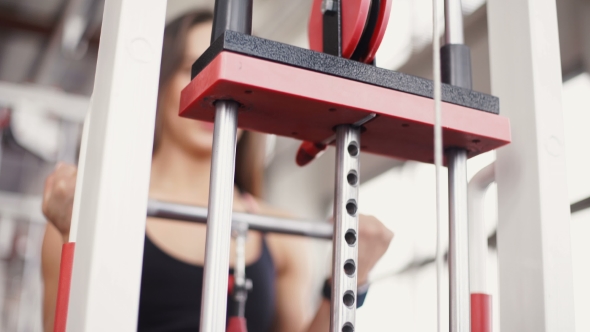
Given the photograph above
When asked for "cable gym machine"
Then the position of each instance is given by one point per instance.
(332, 94)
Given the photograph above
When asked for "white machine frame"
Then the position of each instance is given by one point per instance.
(533, 235)
(113, 200)
(534, 247)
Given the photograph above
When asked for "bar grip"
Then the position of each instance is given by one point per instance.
(230, 284)
(308, 151)
(237, 324)
(63, 288)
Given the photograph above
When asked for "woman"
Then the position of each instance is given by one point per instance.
(174, 251)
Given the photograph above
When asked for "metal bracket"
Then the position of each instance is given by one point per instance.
(328, 5)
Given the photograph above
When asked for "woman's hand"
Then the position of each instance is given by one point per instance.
(374, 239)
(58, 197)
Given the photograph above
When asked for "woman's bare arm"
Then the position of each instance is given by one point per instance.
(50, 261)
(295, 291)
(294, 298)
(58, 198)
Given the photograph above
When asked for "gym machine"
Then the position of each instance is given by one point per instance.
(332, 94)
(246, 75)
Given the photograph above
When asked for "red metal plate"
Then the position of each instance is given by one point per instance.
(354, 16)
(481, 312)
(380, 28)
(63, 287)
(290, 101)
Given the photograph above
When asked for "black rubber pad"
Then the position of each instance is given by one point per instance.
(328, 64)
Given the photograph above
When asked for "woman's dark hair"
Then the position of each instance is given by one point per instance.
(250, 152)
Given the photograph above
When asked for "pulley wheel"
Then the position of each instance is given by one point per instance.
(373, 32)
(355, 14)
(378, 31)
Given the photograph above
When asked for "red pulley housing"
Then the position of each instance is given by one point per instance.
(354, 17)
(363, 25)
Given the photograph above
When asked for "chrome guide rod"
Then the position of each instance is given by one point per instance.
(221, 195)
(454, 22)
(460, 297)
(456, 69)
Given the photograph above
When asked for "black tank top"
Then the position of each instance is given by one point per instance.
(171, 292)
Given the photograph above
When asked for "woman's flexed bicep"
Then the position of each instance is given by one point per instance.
(58, 198)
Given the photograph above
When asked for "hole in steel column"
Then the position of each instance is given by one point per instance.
(347, 328)
(348, 298)
(349, 267)
(351, 207)
(353, 149)
(352, 178)
(350, 237)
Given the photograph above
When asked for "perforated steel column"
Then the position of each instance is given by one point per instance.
(345, 246)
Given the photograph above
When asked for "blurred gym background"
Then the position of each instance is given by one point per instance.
(48, 51)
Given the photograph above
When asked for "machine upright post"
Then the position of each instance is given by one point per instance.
(455, 56)
(345, 246)
(234, 15)
(456, 70)
(453, 22)
(460, 297)
(533, 202)
(221, 194)
(106, 273)
(229, 15)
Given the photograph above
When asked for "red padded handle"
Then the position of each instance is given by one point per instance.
(308, 151)
(63, 288)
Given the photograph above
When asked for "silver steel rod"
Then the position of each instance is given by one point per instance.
(460, 301)
(345, 246)
(453, 22)
(478, 233)
(221, 194)
(314, 229)
(240, 233)
(235, 15)
(457, 74)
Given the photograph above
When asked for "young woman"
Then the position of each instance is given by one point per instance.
(174, 251)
